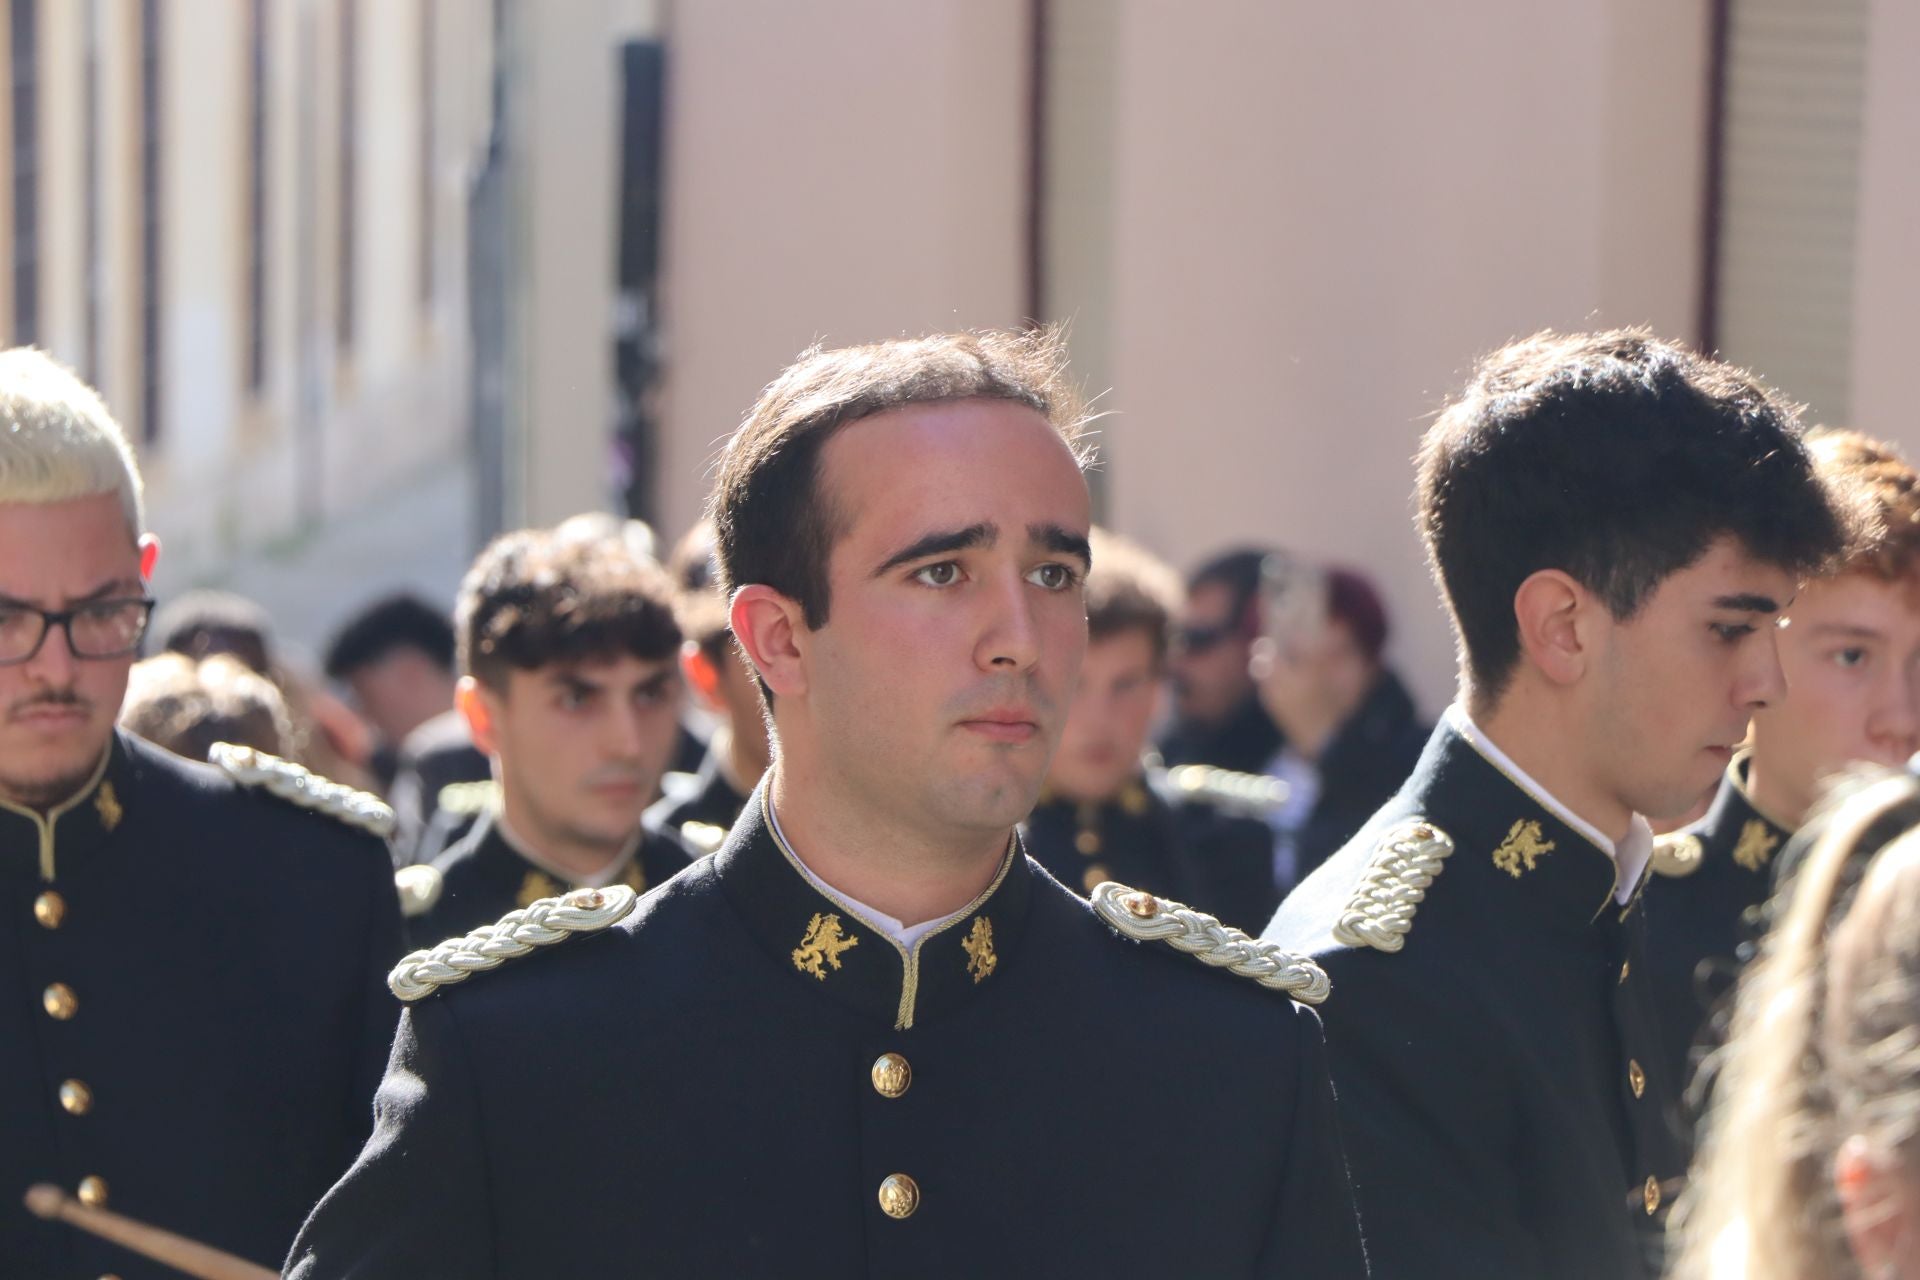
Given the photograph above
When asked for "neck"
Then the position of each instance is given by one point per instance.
(1542, 744)
(1774, 798)
(879, 859)
(740, 763)
(569, 855)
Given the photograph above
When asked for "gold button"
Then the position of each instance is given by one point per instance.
(899, 1195)
(1626, 967)
(1094, 876)
(49, 909)
(1142, 906)
(59, 1001)
(93, 1192)
(1636, 1077)
(76, 1097)
(891, 1075)
(1421, 831)
(1087, 842)
(1651, 1193)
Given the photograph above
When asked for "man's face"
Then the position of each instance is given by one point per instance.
(1851, 651)
(582, 745)
(1676, 683)
(1209, 665)
(937, 689)
(1108, 719)
(401, 690)
(56, 710)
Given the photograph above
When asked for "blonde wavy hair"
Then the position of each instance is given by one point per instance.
(1825, 1046)
(57, 439)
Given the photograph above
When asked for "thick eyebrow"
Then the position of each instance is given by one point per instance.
(1059, 538)
(1847, 629)
(114, 590)
(1747, 602)
(939, 543)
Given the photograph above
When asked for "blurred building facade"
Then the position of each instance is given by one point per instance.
(554, 249)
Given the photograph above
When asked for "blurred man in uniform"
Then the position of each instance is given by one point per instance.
(567, 650)
(853, 1006)
(702, 806)
(1616, 525)
(1217, 716)
(190, 957)
(1351, 734)
(1104, 815)
(1851, 654)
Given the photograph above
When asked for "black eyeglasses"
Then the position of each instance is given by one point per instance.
(97, 629)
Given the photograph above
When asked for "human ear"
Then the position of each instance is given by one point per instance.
(470, 700)
(149, 555)
(1550, 609)
(772, 629)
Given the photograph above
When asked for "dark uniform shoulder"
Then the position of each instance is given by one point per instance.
(1146, 917)
(297, 785)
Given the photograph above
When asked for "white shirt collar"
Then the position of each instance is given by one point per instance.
(904, 934)
(1630, 856)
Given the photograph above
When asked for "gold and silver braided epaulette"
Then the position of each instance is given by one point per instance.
(299, 785)
(540, 923)
(1403, 866)
(1148, 918)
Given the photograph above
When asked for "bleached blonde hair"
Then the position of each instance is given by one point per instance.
(57, 439)
(1825, 1046)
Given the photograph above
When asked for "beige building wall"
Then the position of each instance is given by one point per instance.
(1886, 335)
(1319, 221)
(840, 171)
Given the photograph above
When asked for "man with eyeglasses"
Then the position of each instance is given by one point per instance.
(1217, 716)
(191, 1020)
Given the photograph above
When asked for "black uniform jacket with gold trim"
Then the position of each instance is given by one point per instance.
(194, 1013)
(483, 877)
(1152, 836)
(1496, 1076)
(1704, 915)
(1064, 1102)
(705, 797)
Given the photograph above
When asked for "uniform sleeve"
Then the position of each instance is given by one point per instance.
(379, 1014)
(416, 1202)
(1316, 1231)
(1428, 1141)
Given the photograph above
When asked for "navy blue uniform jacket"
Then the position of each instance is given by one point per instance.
(693, 1092)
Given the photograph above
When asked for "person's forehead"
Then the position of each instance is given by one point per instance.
(610, 668)
(968, 461)
(71, 546)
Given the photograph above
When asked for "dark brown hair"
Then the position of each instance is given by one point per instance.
(1616, 458)
(533, 598)
(773, 526)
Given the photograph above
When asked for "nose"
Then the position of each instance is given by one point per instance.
(1010, 638)
(1766, 681)
(1895, 724)
(53, 664)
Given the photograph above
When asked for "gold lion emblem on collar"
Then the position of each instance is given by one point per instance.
(1523, 848)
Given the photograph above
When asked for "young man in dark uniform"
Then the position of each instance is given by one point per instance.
(700, 807)
(567, 649)
(1616, 525)
(1104, 815)
(836, 1047)
(191, 1014)
(1851, 653)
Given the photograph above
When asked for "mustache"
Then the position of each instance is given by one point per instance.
(51, 698)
